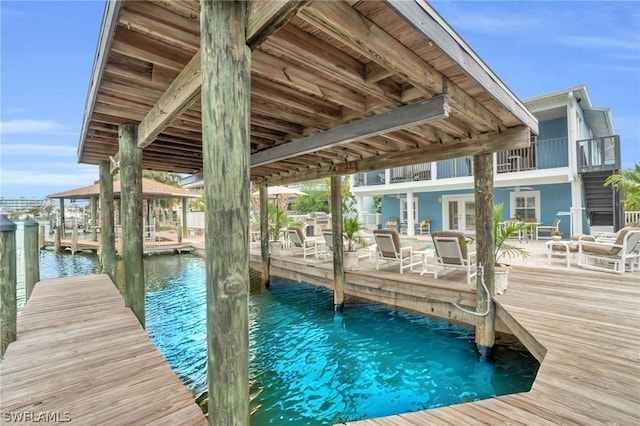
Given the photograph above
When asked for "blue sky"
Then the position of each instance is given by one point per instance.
(47, 51)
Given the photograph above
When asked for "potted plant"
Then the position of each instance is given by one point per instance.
(556, 235)
(277, 221)
(502, 233)
(351, 233)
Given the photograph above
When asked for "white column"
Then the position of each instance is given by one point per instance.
(434, 170)
(410, 221)
(576, 182)
(387, 176)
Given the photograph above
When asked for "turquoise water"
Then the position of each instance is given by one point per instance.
(311, 367)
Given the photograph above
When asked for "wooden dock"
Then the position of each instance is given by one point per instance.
(158, 247)
(82, 356)
(583, 326)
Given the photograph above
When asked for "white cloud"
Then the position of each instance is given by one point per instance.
(598, 42)
(42, 150)
(40, 183)
(486, 21)
(33, 126)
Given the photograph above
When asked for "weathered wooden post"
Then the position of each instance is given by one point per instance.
(107, 233)
(483, 182)
(50, 224)
(264, 235)
(31, 256)
(179, 234)
(42, 237)
(131, 237)
(338, 245)
(57, 239)
(185, 229)
(61, 216)
(226, 76)
(94, 217)
(8, 283)
(74, 238)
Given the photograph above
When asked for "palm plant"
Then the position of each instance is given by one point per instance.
(277, 221)
(629, 182)
(503, 232)
(350, 230)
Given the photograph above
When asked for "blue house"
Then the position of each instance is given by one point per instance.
(560, 175)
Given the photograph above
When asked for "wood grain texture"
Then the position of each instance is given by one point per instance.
(226, 69)
(132, 237)
(81, 352)
(107, 226)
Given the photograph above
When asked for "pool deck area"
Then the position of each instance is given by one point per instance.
(582, 325)
(82, 357)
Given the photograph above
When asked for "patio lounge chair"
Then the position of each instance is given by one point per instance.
(300, 242)
(388, 249)
(548, 229)
(613, 257)
(451, 252)
(328, 243)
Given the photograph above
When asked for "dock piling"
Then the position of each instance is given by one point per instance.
(31, 256)
(8, 283)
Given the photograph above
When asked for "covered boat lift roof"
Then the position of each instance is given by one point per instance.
(337, 87)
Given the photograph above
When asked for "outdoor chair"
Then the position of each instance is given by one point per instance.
(612, 257)
(451, 251)
(548, 229)
(392, 223)
(328, 243)
(300, 242)
(388, 249)
(424, 227)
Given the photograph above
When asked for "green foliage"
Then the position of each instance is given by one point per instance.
(628, 181)
(350, 230)
(277, 221)
(197, 205)
(502, 233)
(377, 204)
(314, 201)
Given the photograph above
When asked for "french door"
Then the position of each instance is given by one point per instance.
(459, 213)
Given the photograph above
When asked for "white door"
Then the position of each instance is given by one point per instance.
(459, 214)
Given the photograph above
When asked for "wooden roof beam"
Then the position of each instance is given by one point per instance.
(426, 21)
(341, 21)
(174, 101)
(406, 116)
(266, 17)
(517, 137)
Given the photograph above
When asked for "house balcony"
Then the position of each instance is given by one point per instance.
(542, 154)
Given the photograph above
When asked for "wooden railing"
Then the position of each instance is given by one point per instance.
(601, 154)
(632, 217)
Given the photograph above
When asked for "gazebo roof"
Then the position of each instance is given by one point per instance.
(151, 189)
(337, 87)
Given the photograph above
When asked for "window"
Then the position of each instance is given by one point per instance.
(403, 210)
(525, 205)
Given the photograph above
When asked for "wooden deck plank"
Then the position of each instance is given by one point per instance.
(80, 351)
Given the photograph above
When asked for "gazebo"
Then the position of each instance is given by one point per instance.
(151, 190)
(276, 92)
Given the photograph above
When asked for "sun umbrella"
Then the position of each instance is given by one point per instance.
(281, 192)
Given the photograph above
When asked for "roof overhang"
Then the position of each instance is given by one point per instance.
(336, 87)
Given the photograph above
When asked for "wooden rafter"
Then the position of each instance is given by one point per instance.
(409, 115)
